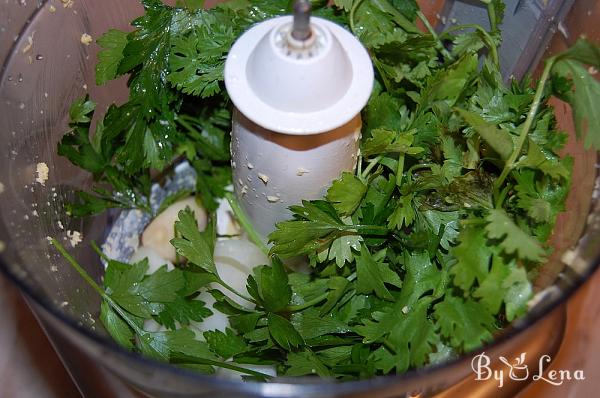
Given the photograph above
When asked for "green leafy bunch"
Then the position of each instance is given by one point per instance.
(424, 252)
(439, 233)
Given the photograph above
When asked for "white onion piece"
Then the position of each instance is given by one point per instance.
(234, 259)
(226, 222)
(150, 325)
(217, 320)
(154, 260)
(160, 231)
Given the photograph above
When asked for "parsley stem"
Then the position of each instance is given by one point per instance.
(232, 290)
(90, 281)
(537, 100)
(491, 10)
(352, 12)
(78, 267)
(245, 222)
(438, 43)
(233, 367)
(139, 331)
(400, 169)
(372, 163)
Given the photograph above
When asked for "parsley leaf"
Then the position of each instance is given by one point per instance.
(227, 344)
(112, 42)
(116, 326)
(196, 246)
(346, 193)
(273, 286)
(283, 332)
(182, 310)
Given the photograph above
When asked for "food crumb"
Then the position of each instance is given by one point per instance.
(405, 310)
(2, 246)
(86, 39)
(52, 9)
(54, 268)
(273, 199)
(67, 3)
(34, 213)
(301, 171)
(29, 44)
(49, 238)
(26, 217)
(75, 237)
(42, 171)
(60, 224)
(263, 177)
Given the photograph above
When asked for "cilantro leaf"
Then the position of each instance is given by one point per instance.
(467, 42)
(548, 163)
(386, 141)
(506, 283)
(422, 276)
(512, 239)
(404, 214)
(372, 276)
(465, 322)
(498, 139)
(473, 255)
(448, 84)
(585, 95)
(345, 5)
(410, 333)
(518, 292)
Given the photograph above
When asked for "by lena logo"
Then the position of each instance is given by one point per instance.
(518, 370)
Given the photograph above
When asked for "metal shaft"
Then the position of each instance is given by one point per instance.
(301, 27)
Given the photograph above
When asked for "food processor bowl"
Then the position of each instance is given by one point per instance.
(47, 62)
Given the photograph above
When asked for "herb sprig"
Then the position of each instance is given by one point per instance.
(423, 253)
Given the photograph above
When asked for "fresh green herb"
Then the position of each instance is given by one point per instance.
(421, 254)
